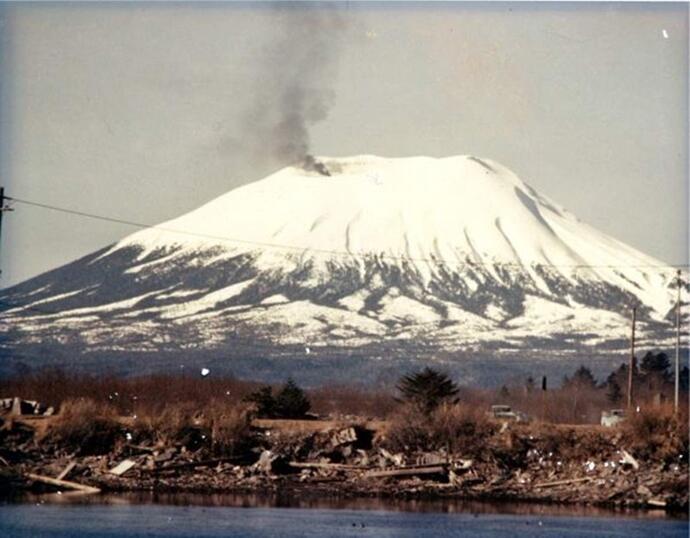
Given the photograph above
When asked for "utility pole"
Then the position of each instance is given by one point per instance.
(631, 368)
(2, 210)
(677, 384)
(2, 207)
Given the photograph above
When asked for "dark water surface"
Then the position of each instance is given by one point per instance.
(105, 516)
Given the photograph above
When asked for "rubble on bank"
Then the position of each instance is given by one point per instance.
(545, 463)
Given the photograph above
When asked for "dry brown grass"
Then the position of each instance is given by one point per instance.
(657, 433)
(332, 400)
(222, 428)
(230, 427)
(85, 426)
(456, 428)
(152, 395)
(174, 424)
(130, 395)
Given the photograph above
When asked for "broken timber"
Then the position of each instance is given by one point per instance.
(334, 466)
(122, 467)
(190, 465)
(67, 470)
(408, 471)
(563, 482)
(62, 483)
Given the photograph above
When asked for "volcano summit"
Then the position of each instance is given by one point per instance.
(354, 264)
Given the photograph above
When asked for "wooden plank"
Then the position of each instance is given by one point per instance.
(627, 459)
(141, 448)
(334, 466)
(122, 467)
(192, 464)
(563, 482)
(67, 470)
(407, 471)
(62, 483)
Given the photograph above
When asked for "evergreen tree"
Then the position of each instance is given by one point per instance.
(529, 385)
(264, 401)
(291, 402)
(427, 389)
(656, 365)
(582, 379)
(614, 394)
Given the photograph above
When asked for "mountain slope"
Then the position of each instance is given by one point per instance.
(418, 256)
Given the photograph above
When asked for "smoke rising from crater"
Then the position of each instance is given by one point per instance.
(294, 89)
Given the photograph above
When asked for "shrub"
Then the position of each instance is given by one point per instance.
(230, 427)
(85, 426)
(457, 428)
(174, 424)
(462, 428)
(657, 433)
(264, 402)
(408, 429)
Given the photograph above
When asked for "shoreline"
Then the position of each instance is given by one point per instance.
(288, 496)
(626, 493)
(539, 464)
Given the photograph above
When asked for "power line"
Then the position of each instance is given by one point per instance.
(302, 249)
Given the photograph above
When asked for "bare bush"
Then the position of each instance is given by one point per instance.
(454, 427)
(174, 424)
(86, 426)
(230, 427)
(658, 433)
(461, 427)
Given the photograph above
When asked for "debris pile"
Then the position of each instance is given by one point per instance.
(520, 462)
(18, 407)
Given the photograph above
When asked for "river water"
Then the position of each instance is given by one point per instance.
(249, 516)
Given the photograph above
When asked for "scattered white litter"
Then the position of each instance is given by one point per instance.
(664, 33)
(205, 372)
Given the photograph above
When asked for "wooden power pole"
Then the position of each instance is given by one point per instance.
(631, 368)
(2, 210)
(677, 383)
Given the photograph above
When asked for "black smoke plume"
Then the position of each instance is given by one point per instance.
(295, 88)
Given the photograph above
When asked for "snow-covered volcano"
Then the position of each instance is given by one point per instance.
(425, 256)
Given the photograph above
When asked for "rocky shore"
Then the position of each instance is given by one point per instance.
(586, 465)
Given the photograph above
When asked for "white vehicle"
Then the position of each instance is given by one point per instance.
(505, 412)
(612, 417)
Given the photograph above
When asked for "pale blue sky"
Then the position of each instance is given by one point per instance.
(140, 111)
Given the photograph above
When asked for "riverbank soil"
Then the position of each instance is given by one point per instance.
(522, 462)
